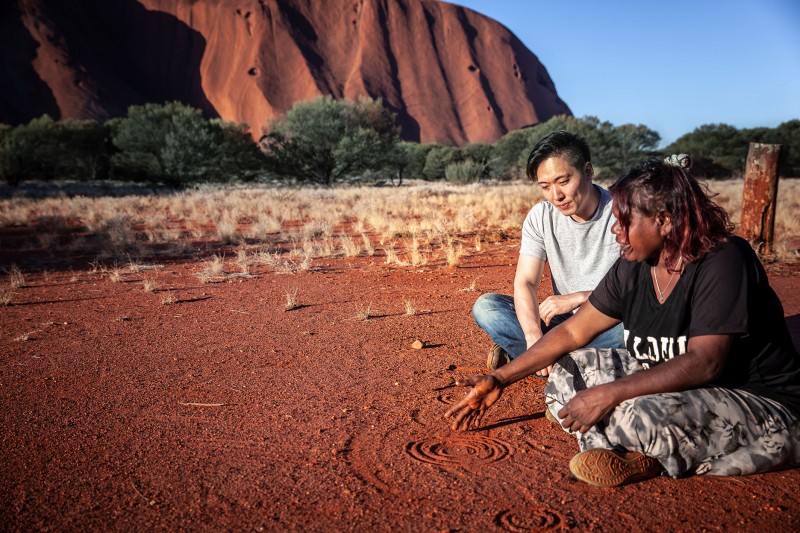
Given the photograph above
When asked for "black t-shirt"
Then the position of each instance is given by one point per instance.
(725, 293)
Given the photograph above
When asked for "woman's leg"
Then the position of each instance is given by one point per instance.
(580, 370)
(706, 431)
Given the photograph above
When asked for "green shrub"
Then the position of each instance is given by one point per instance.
(45, 149)
(326, 140)
(467, 171)
(720, 150)
(437, 160)
(174, 144)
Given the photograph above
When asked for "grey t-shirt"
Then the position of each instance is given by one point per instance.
(579, 253)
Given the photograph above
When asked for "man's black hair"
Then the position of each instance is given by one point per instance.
(560, 143)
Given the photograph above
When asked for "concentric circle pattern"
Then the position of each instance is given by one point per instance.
(458, 449)
(518, 520)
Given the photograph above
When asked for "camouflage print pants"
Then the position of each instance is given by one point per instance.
(709, 430)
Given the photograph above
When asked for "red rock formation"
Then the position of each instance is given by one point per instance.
(451, 75)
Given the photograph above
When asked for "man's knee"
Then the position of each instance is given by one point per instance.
(611, 338)
(485, 306)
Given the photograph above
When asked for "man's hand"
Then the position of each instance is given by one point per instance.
(470, 410)
(559, 305)
(587, 408)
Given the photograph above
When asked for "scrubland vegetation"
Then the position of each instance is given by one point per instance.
(284, 228)
(306, 191)
(326, 141)
(232, 229)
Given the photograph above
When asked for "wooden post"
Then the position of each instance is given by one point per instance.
(760, 196)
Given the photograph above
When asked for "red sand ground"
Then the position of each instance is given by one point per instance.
(313, 419)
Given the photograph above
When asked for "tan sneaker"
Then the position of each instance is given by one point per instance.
(606, 468)
(497, 357)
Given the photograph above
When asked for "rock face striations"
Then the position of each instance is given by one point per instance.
(450, 74)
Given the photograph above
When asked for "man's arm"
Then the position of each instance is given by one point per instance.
(526, 302)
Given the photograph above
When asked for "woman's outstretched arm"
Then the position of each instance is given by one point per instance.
(574, 333)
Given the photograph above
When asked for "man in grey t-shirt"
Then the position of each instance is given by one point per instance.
(572, 231)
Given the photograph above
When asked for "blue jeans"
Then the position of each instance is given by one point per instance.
(495, 314)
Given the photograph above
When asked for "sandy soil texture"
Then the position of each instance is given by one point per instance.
(212, 407)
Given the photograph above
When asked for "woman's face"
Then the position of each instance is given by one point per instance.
(644, 237)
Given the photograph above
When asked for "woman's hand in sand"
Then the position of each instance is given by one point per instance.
(470, 410)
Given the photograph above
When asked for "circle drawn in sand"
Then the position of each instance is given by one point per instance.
(458, 449)
(528, 520)
(449, 398)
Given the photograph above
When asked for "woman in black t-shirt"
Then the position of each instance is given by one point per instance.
(709, 382)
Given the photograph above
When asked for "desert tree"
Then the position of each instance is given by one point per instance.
(633, 142)
(327, 140)
(173, 143)
(720, 150)
(787, 134)
(717, 150)
(44, 149)
(505, 163)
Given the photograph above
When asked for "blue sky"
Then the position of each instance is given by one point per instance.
(672, 66)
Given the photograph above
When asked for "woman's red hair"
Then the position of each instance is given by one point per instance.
(699, 225)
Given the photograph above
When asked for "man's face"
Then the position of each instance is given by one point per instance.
(566, 187)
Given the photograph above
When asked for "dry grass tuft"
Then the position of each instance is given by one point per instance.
(6, 296)
(305, 263)
(168, 298)
(291, 299)
(410, 309)
(16, 279)
(417, 257)
(454, 253)
(136, 267)
(473, 287)
(364, 313)
(228, 231)
(263, 227)
(213, 270)
(25, 337)
(786, 252)
(350, 247)
(368, 248)
(391, 254)
(149, 285)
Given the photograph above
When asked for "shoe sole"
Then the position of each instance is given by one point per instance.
(605, 468)
(496, 358)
